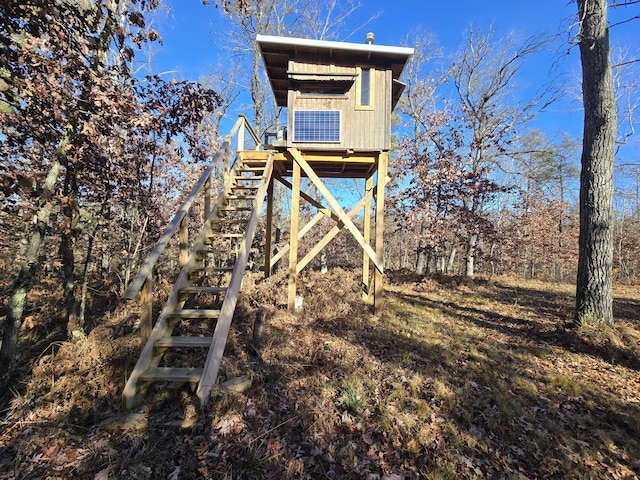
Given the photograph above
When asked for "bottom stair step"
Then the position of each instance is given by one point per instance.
(187, 342)
(195, 313)
(172, 374)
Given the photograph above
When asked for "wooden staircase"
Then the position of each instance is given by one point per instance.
(205, 294)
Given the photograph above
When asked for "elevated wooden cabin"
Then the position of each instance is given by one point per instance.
(339, 96)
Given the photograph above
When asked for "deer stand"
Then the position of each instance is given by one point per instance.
(370, 167)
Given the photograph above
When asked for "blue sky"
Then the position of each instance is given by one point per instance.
(190, 49)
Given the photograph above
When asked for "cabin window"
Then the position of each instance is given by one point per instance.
(364, 88)
(324, 89)
(316, 126)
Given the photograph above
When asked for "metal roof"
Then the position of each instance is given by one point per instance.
(277, 51)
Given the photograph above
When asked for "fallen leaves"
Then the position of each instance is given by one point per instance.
(464, 394)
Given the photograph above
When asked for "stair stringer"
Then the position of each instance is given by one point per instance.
(216, 351)
(135, 388)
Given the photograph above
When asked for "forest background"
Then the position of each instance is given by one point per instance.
(102, 137)
(99, 146)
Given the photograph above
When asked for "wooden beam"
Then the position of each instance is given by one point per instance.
(293, 237)
(146, 307)
(367, 237)
(207, 198)
(330, 235)
(183, 240)
(301, 233)
(268, 231)
(321, 208)
(383, 168)
(299, 160)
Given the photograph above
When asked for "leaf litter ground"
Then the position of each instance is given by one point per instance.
(455, 379)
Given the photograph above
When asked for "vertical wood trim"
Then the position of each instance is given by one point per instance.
(293, 236)
(383, 165)
(146, 307)
(268, 230)
(367, 237)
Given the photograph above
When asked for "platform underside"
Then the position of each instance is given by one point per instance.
(332, 164)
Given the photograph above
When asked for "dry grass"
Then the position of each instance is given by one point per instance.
(455, 379)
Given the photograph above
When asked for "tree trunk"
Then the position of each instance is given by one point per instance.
(421, 261)
(452, 259)
(17, 299)
(472, 242)
(594, 282)
(69, 207)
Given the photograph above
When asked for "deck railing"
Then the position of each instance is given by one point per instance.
(143, 281)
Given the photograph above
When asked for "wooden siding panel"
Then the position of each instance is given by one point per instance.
(361, 130)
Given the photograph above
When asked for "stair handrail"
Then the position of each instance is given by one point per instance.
(146, 269)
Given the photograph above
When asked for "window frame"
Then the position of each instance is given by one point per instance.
(359, 90)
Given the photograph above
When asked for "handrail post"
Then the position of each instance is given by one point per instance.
(225, 163)
(184, 240)
(146, 307)
(207, 198)
(241, 134)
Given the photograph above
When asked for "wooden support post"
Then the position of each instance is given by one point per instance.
(146, 307)
(383, 166)
(367, 238)
(184, 240)
(268, 232)
(293, 237)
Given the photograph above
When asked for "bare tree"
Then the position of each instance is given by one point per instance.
(484, 75)
(296, 18)
(594, 298)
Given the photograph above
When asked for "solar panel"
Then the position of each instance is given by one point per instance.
(316, 126)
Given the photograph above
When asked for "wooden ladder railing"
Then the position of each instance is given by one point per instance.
(207, 287)
(143, 281)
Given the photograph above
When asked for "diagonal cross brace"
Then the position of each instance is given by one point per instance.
(333, 203)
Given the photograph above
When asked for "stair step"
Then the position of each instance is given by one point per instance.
(229, 221)
(193, 289)
(211, 269)
(240, 197)
(195, 313)
(247, 160)
(251, 179)
(236, 209)
(185, 342)
(226, 235)
(172, 374)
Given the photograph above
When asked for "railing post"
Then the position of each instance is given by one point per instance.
(241, 135)
(146, 307)
(207, 198)
(184, 239)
